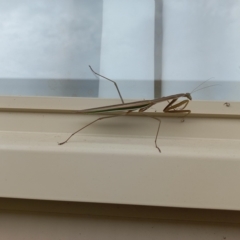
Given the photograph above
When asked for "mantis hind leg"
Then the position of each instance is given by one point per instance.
(101, 118)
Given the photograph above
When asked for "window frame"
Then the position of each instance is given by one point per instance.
(115, 161)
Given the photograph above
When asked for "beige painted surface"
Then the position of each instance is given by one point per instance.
(35, 219)
(115, 161)
(25, 225)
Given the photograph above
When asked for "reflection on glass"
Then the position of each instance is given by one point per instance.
(51, 41)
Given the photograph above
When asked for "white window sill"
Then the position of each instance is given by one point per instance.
(115, 160)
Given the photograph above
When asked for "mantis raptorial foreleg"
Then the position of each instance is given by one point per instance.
(172, 108)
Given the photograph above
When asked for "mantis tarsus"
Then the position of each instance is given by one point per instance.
(141, 106)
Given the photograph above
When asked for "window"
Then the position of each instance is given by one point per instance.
(151, 48)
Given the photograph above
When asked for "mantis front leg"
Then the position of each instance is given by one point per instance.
(171, 107)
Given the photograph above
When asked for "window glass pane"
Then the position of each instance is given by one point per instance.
(201, 41)
(151, 48)
(127, 48)
(46, 47)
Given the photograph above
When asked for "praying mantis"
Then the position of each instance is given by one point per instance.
(126, 108)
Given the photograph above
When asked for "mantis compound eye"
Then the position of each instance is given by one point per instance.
(188, 95)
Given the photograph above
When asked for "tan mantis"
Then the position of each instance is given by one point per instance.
(141, 106)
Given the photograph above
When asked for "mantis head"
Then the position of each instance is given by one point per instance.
(188, 95)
